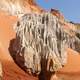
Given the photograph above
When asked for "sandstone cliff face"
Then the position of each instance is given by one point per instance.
(19, 7)
(57, 14)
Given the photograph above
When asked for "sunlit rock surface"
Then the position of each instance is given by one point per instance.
(41, 43)
(11, 72)
(19, 7)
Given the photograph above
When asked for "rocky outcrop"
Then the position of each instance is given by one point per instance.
(77, 25)
(19, 7)
(41, 42)
(57, 13)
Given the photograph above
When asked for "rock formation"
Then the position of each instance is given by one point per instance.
(1, 72)
(19, 7)
(57, 13)
(41, 42)
(41, 37)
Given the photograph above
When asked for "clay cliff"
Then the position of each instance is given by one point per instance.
(9, 10)
(18, 7)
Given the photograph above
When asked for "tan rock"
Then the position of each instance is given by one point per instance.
(41, 43)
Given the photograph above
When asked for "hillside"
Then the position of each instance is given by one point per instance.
(11, 71)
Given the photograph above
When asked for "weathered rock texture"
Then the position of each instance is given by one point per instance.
(1, 72)
(57, 14)
(41, 39)
(19, 7)
(41, 42)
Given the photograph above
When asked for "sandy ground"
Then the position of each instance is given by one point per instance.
(71, 70)
(11, 71)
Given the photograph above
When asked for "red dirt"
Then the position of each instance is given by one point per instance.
(12, 72)
(71, 71)
(73, 64)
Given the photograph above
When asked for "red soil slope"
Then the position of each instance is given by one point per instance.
(10, 70)
(73, 64)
